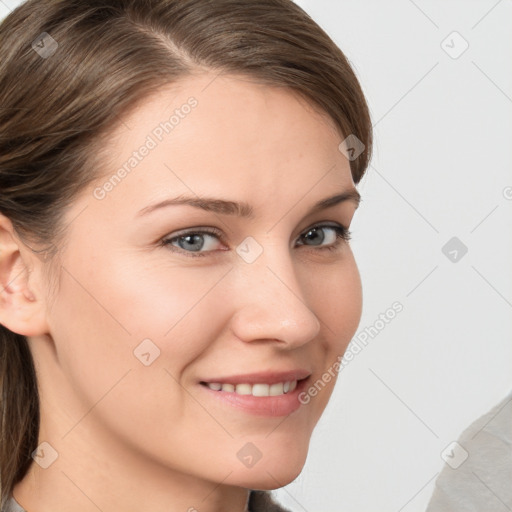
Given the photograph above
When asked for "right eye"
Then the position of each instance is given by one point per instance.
(193, 240)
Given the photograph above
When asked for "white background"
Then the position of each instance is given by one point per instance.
(442, 161)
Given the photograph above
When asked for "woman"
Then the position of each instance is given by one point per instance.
(177, 182)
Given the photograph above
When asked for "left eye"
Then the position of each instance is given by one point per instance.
(193, 242)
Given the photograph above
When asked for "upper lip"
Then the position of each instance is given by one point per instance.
(262, 377)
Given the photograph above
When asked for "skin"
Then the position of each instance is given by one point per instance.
(132, 437)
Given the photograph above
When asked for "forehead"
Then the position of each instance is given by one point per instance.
(212, 134)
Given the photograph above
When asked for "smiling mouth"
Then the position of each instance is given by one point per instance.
(257, 389)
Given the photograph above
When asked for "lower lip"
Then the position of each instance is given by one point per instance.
(280, 405)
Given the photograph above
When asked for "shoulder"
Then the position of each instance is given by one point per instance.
(478, 475)
(261, 501)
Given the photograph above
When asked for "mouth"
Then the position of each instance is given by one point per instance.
(258, 389)
(262, 395)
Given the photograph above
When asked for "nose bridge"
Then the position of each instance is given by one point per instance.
(270, 300)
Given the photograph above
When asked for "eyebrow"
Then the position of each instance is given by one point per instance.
(243, 209)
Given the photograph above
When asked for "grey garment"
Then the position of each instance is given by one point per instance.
(483, 481)
(259, 501)
(12, 506)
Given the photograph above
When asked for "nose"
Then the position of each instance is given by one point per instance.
(271, 303)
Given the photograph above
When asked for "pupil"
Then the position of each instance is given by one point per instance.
(319, 236)
(188, 238)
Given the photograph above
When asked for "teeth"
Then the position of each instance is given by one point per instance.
(243, 389)
(279, 388)
(276, 389)
(260, 389)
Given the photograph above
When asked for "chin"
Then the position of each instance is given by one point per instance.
(276, 481)
(273, 473)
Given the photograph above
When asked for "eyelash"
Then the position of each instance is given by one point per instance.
(342, 234)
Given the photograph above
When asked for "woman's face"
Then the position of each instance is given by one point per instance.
(142, 318)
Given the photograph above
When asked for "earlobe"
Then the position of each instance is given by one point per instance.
(21, 304)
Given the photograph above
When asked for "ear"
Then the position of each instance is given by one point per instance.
(22, 306)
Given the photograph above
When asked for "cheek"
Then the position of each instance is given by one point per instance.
(99, 320)
(346, 308)
(337, 301)
(335, 296)
(177, 307)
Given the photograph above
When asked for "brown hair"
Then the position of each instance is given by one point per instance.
(70, 69)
